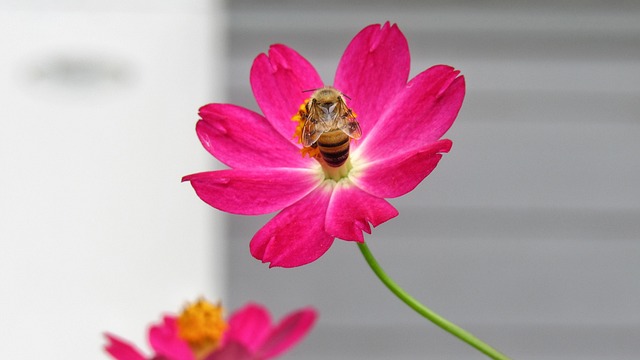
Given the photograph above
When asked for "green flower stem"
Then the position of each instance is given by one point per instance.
(443, 323)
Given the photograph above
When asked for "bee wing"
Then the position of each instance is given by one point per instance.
(348, 123)
(351, 128)
(312, 130)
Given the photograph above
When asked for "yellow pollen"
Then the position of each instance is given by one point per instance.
(300, 117)
(201, 325)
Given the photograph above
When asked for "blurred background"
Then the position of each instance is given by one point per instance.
(98, 103)
(527, 234)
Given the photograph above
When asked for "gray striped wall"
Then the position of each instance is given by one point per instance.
(528, 232)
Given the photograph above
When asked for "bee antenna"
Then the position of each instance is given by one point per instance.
(347, 96)
(309, 90)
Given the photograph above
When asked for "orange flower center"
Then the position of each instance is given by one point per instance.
(201, 325)
(300, 118)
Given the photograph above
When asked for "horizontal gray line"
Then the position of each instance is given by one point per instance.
(479, 44)
(603, 77)
(518, 224)
(546, 19)
(399, 341)
(559, 107)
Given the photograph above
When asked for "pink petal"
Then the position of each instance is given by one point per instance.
(121, 350)
(232, 351)
(295, 236)
(241, 138)
(254, 191)
(165, 341)
(288, 333)
(249, 326)
(278, 81)
(373, 69)
(396, 176)
(351, 210)
(420, 114)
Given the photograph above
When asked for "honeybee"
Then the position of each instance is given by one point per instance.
(329, 125)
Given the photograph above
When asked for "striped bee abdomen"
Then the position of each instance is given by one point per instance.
(334, 147)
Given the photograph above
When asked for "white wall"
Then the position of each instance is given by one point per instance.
(98, 104)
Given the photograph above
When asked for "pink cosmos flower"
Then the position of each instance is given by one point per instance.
(200, 333)
(401, 123)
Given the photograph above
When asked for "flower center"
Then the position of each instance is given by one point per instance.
(301, 118)
(201, 325)
(336, 173)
